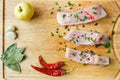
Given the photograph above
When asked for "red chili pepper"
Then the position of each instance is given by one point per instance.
(58, 72)
(56, 65)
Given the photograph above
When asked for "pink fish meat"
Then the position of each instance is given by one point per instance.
(86, 15)
(82, 37)
(86, 57)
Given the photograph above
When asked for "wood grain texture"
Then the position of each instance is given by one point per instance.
(35, 36)
(1, 35)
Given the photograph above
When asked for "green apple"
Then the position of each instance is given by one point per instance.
(24, 11)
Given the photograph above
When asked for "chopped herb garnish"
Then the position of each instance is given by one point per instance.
(96, 24)
(64, 49)
(109, 51)
(76, 16)
(60, 36)
(58, 9)
(94, 12)
(94, 8)
(64, 42)
(113, 32)
(106, 45)
(89, 38)
(77, 27)
(64, 15)
(81, 53)
(70, 4)
(57, 29)
(52, 34)
(92, 39)
(74, 53)
(113, 21)
(85, 18)
(74, 40)
(56, 3)
(68, 29)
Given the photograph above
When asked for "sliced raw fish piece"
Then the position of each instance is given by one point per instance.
(89, 14)
(86, 57)
(82, 37)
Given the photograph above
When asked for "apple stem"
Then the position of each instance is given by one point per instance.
(20, 8)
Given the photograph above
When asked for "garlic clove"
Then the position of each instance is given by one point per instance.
(11, 35)
(10, 28)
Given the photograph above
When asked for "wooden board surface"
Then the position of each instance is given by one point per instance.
(35, 36)
(1, 25)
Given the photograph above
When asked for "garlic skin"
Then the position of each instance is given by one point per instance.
(10, 28)
(11, 35)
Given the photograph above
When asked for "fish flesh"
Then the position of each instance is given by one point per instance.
(83, 37)
(86, 15)
(86, 57)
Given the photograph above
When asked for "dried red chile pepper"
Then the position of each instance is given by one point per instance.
(56, 65)
(54, 72)
(52, 69)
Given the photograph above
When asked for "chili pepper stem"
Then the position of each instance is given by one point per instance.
(70, 70)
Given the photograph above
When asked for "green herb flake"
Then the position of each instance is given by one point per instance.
(113, 32)
(74, 40)
(106, 45)
(81, 53)
(76, 16)
(60, 36)
(68, 29)
(74, 53)
(89, 39)
(52, 34)
(109, 51)
(85, 18)
(57, 29)
(113, 22)
(94, 7)
(58, 9)
(92, 39)
(56, 3)
(77, 27)
(95, 13)
(70, 4)
(64, 15)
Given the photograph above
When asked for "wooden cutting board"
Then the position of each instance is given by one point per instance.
(35, 36)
